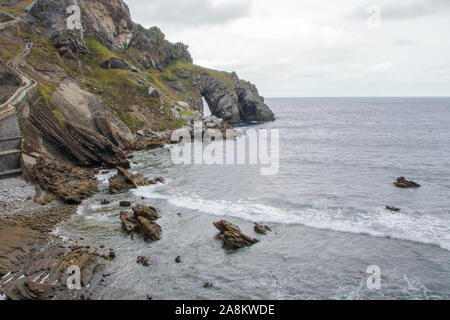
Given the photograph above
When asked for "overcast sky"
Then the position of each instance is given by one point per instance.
(297, 48)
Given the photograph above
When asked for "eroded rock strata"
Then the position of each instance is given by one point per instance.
(232, 237)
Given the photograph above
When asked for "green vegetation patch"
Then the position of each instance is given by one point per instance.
(9, 49)
(17, 10)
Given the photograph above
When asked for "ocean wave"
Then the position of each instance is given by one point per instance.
(378, 222)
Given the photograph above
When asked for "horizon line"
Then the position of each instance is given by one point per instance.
(318, 97)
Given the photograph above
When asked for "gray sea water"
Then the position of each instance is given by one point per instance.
(326, 206)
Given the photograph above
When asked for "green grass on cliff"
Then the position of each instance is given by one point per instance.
(17, 10)
(122, 91)
(9, 49)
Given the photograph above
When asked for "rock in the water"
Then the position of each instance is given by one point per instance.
(178, 259)
(403, 183)
(261, 229)
(151, 231)
(142, 221)
(145, 261)
(224, 226)
(394, 209)
(105, 202)
(125, 204)
(147, 212)
(124, 180)
(70, 184)
(232, 236)
(208, 285)
(129, 223)
(149, 297)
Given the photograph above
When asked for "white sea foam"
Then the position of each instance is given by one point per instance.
(379, 222)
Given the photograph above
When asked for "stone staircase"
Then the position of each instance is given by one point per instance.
(10, 145)
(10, 133)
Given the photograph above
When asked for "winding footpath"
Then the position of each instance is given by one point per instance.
(10, 135)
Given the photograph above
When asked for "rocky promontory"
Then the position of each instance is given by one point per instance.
(98, 87)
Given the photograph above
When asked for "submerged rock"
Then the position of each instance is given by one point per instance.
(405, 184)
(232, 236)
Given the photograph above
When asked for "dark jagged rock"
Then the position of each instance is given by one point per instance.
(129, 223)
(124, 180)
(105, 202)
(405, 184)
(70, 184)
(70, 46)
(394, 209)
(232, 237)
(142, 221)
(158, 53)
(224, 226)
(208, 285)
(147, 212)
(115, 63)
(151, 231)
(261, 229)
(178, 259)
(145, 261)
(125, 204)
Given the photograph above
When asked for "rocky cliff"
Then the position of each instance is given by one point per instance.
(99, 85)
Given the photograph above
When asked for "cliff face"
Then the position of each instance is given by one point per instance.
(99, 85)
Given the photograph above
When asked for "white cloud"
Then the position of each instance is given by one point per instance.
(310, 47)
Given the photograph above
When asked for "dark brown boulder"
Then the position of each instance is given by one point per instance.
(125, 204)
(151, 231)
(224, 226)
(124, 180)
(405, 184)
(129, 223)
(232, 237)
(261, 229)
(394, 209)
(236, 240)
(147, 212)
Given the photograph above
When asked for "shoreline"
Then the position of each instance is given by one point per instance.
(34, 259)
